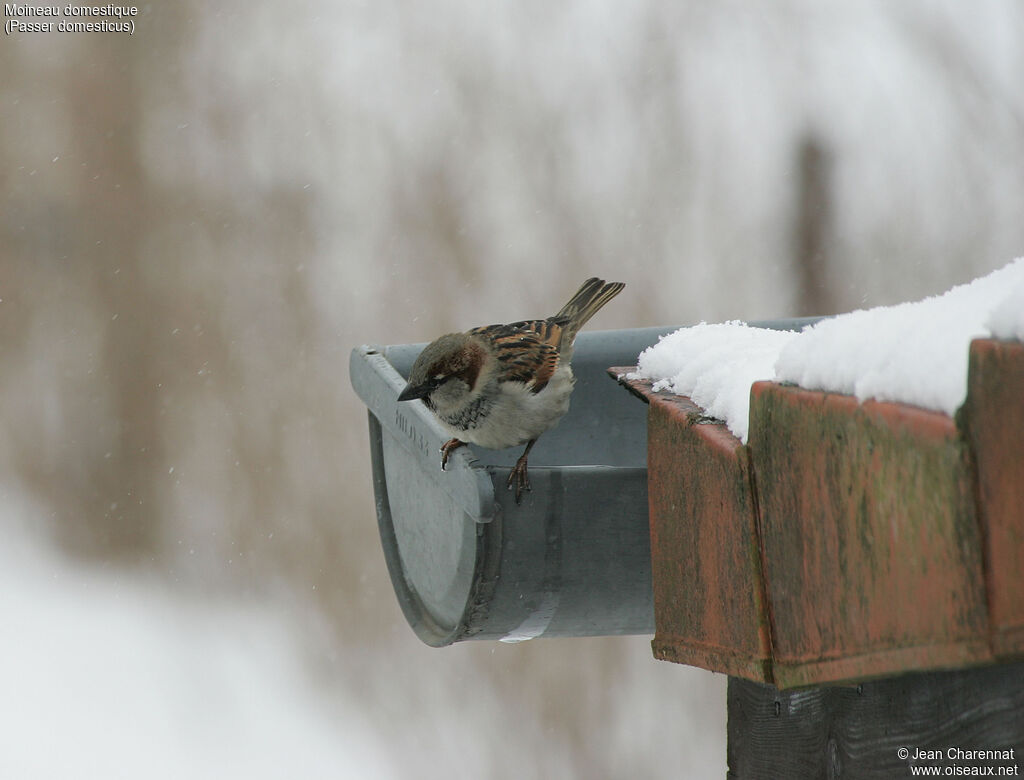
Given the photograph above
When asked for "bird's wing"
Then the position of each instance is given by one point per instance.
(526, 351)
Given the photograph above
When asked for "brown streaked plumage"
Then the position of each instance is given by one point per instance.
(503, 385)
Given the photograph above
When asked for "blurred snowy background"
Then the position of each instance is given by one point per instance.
(199, 222)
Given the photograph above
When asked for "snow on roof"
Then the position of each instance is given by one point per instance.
(913, 353)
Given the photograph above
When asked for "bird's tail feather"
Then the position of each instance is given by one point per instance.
(592, 295)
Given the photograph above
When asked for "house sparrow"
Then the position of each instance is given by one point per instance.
(503, 385)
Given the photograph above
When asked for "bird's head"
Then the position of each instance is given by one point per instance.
(446, 371)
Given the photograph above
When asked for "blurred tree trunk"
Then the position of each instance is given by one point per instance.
(85, 298)
(122, 512)
(812, 228)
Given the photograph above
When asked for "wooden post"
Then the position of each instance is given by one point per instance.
(961, 722)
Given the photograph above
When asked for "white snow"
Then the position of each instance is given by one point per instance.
(1007, 319)
(715, 365)
(912, 353)
(109, 676)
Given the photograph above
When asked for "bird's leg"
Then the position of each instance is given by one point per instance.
(519, 475)
(448, 448)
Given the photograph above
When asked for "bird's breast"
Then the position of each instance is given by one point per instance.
(510, 413)
(467, 416)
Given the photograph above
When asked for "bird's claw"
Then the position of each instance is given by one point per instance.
(447, 449)
(520, 478)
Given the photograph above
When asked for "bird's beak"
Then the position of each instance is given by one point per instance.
(411, 392)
